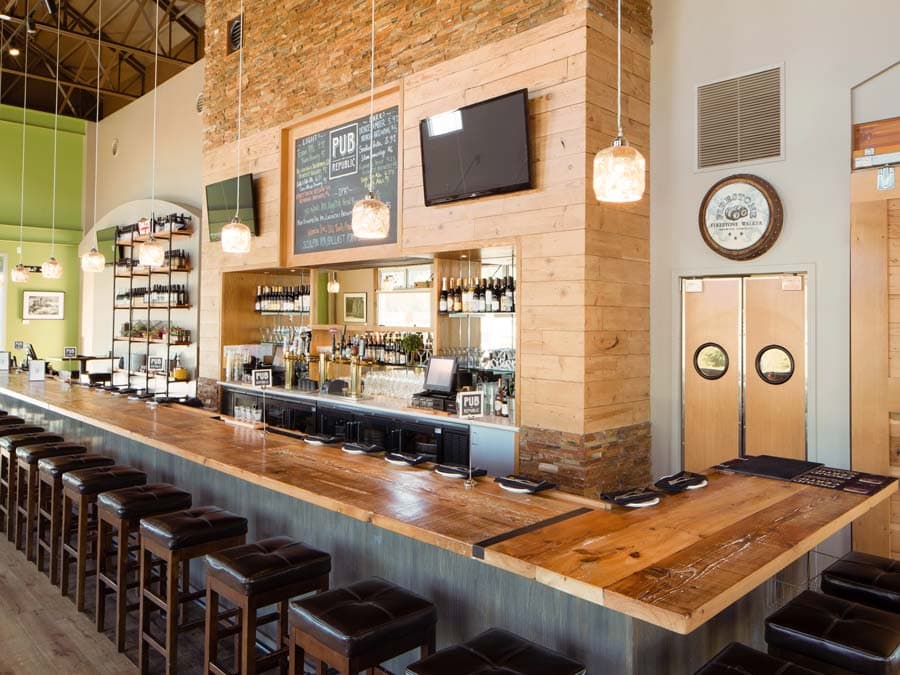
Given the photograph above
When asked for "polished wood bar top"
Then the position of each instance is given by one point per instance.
(675, 565)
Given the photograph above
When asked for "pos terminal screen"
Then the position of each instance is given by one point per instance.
(441, 374)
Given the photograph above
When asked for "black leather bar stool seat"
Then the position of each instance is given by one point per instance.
(268, 572)
(833, 635)
(37, 438)
(50, 490)
(6, 420)
(867, 579)
(496, 652)
(360, 626)
(120, 511)
(738, 659)
(8, 473)
(80, 490)
(174, 540)
(27, 458)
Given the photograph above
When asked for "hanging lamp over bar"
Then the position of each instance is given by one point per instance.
(94, 261)
(52, 268)
(371, 218)
(236, 235)
(619, 170)
(21, 274)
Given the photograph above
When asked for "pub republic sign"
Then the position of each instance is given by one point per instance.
(332, 174)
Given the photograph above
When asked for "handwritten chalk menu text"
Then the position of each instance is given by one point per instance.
(332, 174)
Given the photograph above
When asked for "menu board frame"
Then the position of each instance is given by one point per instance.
(386, 97)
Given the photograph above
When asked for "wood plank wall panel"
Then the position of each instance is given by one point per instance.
(893, 219)
(617, 241)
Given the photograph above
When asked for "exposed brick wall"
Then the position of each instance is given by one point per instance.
(587, 464)
(304, 55)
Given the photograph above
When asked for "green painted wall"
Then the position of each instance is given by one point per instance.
(48, 337)
(39, 169)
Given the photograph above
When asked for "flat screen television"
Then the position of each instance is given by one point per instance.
(221, 204)
(482, 149)
(440, 376)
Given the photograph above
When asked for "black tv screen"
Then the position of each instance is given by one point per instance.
(440, 376)
(482, 149)
(221, 205)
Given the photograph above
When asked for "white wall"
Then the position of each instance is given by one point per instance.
(127, 176)
(827, 48)
(879, 97)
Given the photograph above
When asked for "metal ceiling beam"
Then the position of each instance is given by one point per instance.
(92, 40)
(66, 83)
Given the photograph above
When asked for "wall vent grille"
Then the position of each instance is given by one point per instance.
(740, 119)
(235, 34)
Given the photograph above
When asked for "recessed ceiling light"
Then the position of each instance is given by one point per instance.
(14, 51)
(463, 256)
(5, 17)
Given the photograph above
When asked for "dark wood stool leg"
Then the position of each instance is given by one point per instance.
(104, 543)
(248, 637)
(56, 526)
(144, 621)
(295, 656)
(43, 500)
(66, 517)
(11, 495)
(83, 553)
(21, 498)
(172, 597)
(211, 644)
(122, 583)
(31, 482)
(283, 634)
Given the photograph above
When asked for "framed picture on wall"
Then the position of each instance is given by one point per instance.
(355, 307)
(43, 305)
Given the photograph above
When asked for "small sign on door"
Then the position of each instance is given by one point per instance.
(262, 377)
(70, 352)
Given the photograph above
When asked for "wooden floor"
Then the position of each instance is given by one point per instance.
(40, 631)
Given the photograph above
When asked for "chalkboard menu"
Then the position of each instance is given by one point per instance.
(332, 174)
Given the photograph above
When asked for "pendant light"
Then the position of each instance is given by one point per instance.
(52, 268)
(334, 286)
(619, 170)
(371, 217)
(236, 235)
(152, 253)
(96, 261)
(20, 274)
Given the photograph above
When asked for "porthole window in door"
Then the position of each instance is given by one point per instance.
(711, 361)
(774, 364)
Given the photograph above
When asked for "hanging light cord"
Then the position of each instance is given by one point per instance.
(97, 111)
(619, 66)
(155, 115)
(237, 178)
(372, 104)
(24, 121)
(55, 137)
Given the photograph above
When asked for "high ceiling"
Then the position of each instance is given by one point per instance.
(127, 53)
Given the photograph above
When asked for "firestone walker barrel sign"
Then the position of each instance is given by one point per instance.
(740, 217)
(332, 174)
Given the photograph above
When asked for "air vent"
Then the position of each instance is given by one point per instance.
(235, 32)
(200, 103)
(739, 119)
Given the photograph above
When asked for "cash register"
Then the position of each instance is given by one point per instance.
(440, 386)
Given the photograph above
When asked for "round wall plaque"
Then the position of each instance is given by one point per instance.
(740, 217)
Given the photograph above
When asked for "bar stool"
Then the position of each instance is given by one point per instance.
(8, 472)
(50, 490)
(868, 579)
(80, 490)
(271, 571)
(176, 539)
(360, 626)
(121, 511)
(833, 635)
(738, 659)
(497, 651)
(27, 458)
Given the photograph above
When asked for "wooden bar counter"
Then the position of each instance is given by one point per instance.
(675, 566)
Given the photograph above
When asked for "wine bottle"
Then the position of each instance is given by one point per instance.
(498, 398)
(442, 303)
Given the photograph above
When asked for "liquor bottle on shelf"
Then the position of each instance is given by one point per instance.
(442, 302)
(510, 294)
(495, 296)
(504, 404)
(458, 296)
(498, 398)
(258, 305)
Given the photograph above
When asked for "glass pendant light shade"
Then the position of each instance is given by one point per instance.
(152, 254)
(371, 218)
(236, 237)
(93, 261)
(334, 285)
(619, 173)
(52, 269)
(20, 274)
